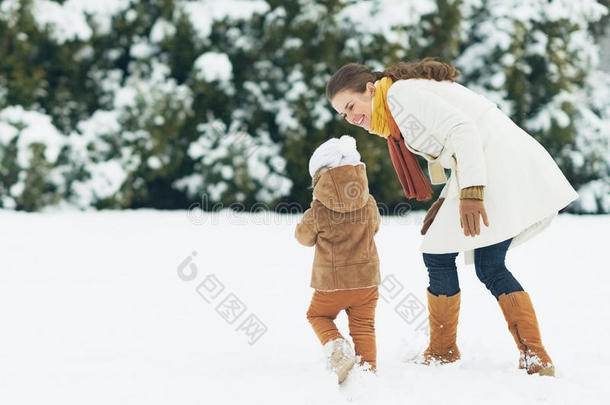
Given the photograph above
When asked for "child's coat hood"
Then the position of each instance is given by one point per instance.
(343, 188)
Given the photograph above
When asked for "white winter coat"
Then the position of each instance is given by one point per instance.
(453, 127)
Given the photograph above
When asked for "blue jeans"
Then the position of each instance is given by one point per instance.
(489, 266)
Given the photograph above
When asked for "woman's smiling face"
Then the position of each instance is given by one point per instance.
(355, 107)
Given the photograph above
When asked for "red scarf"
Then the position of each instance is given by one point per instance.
(414, 182)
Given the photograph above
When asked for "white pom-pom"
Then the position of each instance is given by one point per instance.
(347, 146)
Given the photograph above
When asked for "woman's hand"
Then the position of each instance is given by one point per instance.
(470, 209)
(431, 214)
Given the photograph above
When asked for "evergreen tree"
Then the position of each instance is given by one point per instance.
(166, 103)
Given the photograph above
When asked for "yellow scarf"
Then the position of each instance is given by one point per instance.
(380, 124)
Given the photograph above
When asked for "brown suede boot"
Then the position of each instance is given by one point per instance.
(443, 318)
(522, 324)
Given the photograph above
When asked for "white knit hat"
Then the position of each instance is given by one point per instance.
(334, 153)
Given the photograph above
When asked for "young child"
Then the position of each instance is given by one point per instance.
(341, 222)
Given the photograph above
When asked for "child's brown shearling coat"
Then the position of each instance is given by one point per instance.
(341, 223)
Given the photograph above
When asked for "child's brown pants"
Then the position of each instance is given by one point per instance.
(359, 304)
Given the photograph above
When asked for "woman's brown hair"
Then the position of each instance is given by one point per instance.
(354, 76)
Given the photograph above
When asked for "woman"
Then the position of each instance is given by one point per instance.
(500, 175)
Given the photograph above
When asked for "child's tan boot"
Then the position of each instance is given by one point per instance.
(341, 358)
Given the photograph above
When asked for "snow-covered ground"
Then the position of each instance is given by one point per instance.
(110, 308)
